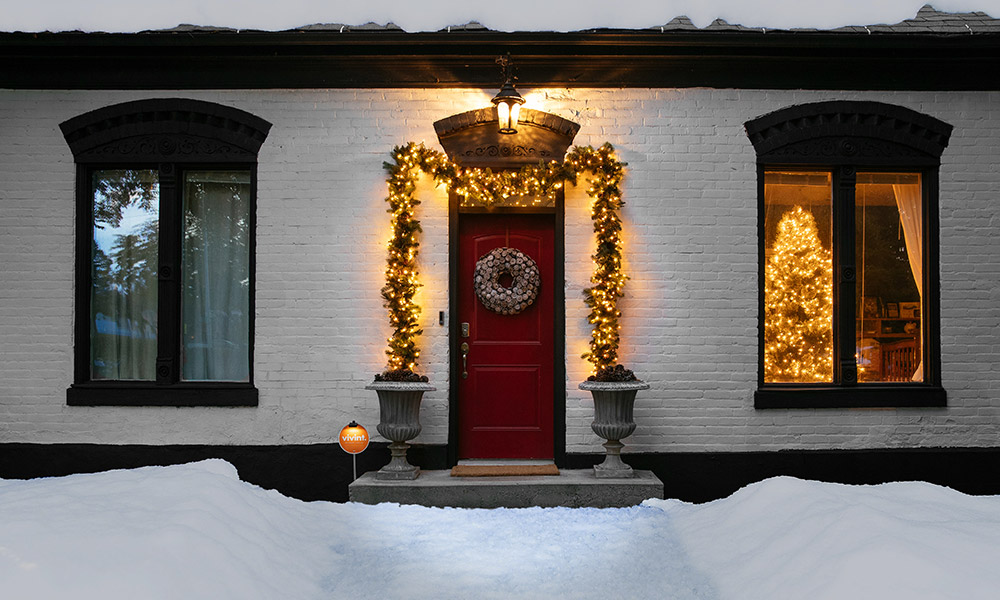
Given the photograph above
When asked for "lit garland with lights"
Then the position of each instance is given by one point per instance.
(608, 278)
(798, 304)
(401, 282)
(487, 188)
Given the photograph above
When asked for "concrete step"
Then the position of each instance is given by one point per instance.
(572, 488)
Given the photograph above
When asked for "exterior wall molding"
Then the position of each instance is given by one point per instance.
(167, 129)
(848, 132)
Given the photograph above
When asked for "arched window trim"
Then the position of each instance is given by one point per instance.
(848, 132)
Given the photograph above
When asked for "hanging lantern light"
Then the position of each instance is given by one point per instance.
(507, 100)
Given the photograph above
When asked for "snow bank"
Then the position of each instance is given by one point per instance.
(192, 531)
(197, 531)
(435, 15)
(789, 538)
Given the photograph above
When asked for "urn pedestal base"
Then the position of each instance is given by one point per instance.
(398, 468)
(613, 467)
(399, 421)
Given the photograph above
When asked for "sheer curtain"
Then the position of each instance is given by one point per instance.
(216, 282)
(908, 201)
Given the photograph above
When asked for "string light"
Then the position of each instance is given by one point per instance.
(532, 185)
(798, 304)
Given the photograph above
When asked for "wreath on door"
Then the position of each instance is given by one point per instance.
(525, 281)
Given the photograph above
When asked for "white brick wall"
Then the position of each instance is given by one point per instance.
(690, 322)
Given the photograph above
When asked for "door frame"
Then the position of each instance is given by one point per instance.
(455, 213)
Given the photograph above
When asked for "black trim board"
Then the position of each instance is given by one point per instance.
(323, 471)
(601, 58)
(149, 394)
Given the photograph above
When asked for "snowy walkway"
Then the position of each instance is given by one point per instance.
(196, 531)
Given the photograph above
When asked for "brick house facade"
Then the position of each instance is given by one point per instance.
(691, 312)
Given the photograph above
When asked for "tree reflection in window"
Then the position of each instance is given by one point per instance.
(125, 256)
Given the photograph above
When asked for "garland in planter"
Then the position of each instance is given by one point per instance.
(483, 186)
(608, 278)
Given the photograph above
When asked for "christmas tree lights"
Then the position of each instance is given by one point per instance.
(798, 304)
(483, 187)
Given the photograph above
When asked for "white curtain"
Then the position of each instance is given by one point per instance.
(908, 200)
(215, 302)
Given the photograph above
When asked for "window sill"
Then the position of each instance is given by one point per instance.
(150, 394)
(861, 396)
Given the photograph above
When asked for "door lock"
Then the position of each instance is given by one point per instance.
(465, 356)
(465, 330)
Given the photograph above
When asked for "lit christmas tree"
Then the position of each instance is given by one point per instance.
(798, 304)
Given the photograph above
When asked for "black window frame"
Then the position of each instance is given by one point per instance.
(846, 138)
(172, 136)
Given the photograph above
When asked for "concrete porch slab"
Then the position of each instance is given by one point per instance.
(571, 488)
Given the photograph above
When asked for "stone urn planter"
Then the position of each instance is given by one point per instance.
(399, 421)
(613, 403)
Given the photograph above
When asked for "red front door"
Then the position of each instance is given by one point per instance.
(506, 400)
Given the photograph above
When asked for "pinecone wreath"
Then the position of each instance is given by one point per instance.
(524, 287)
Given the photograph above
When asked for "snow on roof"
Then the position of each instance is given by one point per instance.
(840, 16)
(928, 20)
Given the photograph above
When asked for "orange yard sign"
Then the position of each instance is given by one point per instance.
(354, 438)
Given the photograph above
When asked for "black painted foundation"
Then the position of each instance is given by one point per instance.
(323, 471)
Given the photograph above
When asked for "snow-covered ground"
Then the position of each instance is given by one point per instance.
(197, 531)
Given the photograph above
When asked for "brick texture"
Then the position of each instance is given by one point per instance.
(690, 325)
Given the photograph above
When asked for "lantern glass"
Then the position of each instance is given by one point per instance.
(503, 116)
(515, 111)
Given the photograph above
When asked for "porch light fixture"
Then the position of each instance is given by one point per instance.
(507, 100)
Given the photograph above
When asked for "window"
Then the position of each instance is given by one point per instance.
(165, 254)
(848, 253)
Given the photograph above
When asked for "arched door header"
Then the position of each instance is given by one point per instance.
(472, 138)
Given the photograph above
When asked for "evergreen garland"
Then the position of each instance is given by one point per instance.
(401, 281)
(483, 186)
(608, 278)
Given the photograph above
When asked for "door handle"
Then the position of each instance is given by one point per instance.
(465, 356)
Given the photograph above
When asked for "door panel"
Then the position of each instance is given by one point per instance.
(506, 402)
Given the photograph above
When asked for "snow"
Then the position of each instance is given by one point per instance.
(435, 15)
(197, 531)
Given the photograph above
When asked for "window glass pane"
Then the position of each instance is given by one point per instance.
(798, 277)
(123, 300)
(889, 255)
(215, 301)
